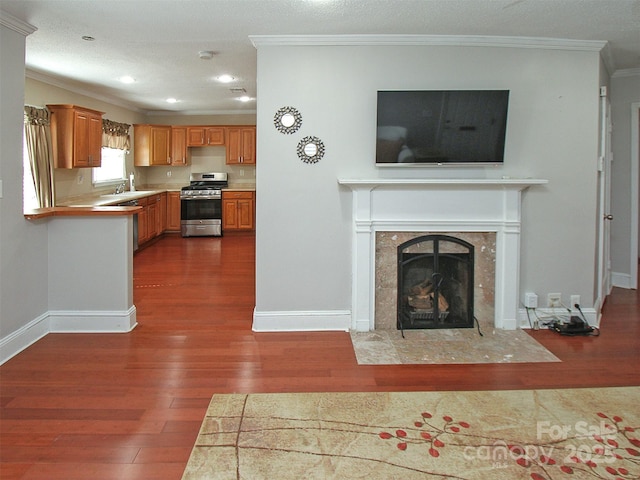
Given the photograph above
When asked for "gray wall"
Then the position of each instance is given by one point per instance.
(625, 90)
(304, 226)
(23, 244)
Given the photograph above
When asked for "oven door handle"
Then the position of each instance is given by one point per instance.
(203, 197)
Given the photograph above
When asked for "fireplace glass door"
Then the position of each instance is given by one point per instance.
(435, 283)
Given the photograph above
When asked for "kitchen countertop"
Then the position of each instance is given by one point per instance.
(106, 204)
(111, 199)
(108, 211)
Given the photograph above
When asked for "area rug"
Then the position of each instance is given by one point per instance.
(386, 347)
(522, 434)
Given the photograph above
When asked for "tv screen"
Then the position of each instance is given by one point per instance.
(441, 127)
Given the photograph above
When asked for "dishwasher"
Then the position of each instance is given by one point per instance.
(133, 203)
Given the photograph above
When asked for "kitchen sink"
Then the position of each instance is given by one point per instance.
(126, 195)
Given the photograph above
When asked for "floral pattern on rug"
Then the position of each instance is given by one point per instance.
(523, 434)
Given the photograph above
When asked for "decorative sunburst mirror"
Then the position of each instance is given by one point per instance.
(287, 120)
(310, 149)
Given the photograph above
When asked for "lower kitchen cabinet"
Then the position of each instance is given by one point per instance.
(173, 211)
(143, 221)
(238, 210)
(152, 219)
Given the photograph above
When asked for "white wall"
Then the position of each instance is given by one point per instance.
(625, 90)
(303, 218)
(23, 244)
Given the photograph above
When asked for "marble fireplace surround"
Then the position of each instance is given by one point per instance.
(437, 205)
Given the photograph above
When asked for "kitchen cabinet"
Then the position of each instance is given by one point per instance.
(156, 215)
(238, 210)
(76, 134)
(143, 221)
(241, 145)
(203, 136)
(173, 211)
(152, 218)
(161, 214)
(151, 145)
(179, 146)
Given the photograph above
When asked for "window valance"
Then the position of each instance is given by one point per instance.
(36, 116)
(115, 135)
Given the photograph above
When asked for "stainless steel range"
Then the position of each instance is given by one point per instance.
(201, 205)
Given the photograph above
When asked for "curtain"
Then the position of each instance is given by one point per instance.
(40, 149)
(115, 135)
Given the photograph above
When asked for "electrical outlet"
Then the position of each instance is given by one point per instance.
(168, 173)
(80, 179)
(575, 299)
(554, 299)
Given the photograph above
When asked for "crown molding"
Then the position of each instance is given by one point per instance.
(433, 40)
(15, 24)
(627, 72)
(542, 43)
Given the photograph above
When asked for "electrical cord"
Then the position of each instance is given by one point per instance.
(547, 319)
(529, 318)
(478, 326)
(594, 329)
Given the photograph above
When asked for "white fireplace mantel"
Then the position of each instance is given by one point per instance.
(437, 205)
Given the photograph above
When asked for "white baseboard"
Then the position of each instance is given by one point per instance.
(546, 313)
(66, 322)
(302, 321)
(16, 342)
(622, 280)
(92, 321)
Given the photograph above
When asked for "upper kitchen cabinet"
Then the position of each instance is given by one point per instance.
(205, 136)
(76, 134)
(151, 145)
(159, 145)
(179, 146)
(241, 145)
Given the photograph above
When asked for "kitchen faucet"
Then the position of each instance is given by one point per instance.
(120, 188)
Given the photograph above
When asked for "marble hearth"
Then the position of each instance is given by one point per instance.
(431, 206)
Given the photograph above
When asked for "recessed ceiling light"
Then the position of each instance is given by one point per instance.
(244, 98)
(88, 38)
(226, 78)
(127, 79)
(172, 100)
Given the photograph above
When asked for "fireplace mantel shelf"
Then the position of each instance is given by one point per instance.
(515, 183)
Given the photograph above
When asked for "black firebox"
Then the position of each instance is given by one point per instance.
(435, 283)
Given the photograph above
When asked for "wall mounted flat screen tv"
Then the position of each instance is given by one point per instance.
(441, 127)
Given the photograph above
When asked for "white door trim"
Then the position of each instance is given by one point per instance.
(635, 179)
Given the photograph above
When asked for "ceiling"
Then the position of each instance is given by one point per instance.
(157, 42)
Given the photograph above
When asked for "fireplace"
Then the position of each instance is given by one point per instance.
(434, 205)
(435, 283)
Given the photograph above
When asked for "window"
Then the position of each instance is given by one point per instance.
(112, 169)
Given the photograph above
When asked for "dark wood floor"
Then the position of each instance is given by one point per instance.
(129, 406)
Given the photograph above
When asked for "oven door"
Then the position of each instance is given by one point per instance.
(201, 216)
